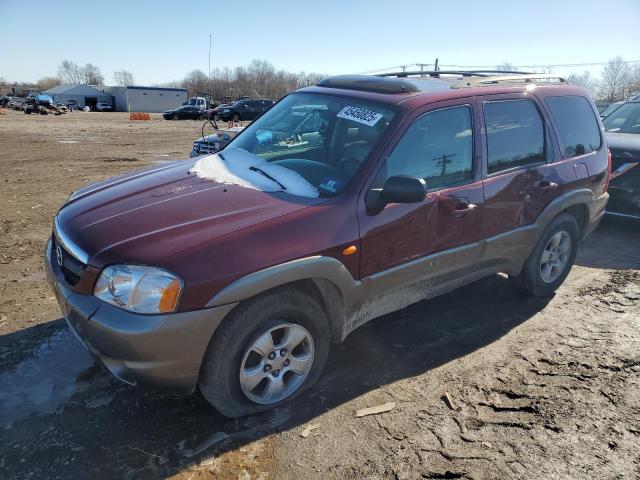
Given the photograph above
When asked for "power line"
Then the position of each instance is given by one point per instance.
(478, 67)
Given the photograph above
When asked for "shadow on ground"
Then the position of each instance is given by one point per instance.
(62, 416)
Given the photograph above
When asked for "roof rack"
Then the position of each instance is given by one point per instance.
(518, 79)
(437, 73)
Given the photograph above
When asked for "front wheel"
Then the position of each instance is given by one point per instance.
(551, 259)
(269, 350)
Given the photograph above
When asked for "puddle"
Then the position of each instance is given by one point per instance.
(43, 381)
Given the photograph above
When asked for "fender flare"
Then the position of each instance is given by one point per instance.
(340, 302)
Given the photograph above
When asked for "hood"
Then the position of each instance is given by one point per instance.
(146, 217)
(624, 144)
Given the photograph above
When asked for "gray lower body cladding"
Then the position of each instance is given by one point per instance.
(154, 350)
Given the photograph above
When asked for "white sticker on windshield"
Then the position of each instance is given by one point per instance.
(360, 115)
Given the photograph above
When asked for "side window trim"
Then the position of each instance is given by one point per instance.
(421, 112)
(549, 150)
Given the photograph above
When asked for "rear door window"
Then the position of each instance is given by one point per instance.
(577, 124)
(437, 147)
(515, 134)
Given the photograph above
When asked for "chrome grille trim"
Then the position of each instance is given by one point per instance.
(66, 243)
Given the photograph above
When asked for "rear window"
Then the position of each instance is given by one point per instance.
(577, 125)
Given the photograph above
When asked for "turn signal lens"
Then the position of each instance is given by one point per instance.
(350, 250)
(169, 298)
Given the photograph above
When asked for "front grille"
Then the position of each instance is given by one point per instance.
(71, 268)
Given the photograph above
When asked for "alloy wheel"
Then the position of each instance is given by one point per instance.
(555, 256)
(277, 363)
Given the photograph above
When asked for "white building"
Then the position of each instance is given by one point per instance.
(123, 99)
(145, 99)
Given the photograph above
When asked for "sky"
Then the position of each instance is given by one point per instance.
(160, 41)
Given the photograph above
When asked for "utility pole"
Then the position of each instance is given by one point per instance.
(435, 67)
(209, 64)
(422, 65)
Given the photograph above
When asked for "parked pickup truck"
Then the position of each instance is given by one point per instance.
(236, 271)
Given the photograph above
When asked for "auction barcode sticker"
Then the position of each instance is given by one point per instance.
(360, 115)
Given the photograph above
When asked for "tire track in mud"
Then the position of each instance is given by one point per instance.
(561, 401)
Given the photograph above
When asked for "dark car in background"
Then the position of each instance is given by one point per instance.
(209, 144)
(212, 113)
(185, 112)
(248, 109)
(622, 129)
(610, 108)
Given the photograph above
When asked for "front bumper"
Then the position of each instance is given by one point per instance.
(154, 350)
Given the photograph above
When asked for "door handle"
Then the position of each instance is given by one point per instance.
(463, 208)
(545, 186)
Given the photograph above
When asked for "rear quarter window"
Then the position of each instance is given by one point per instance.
(577, 125)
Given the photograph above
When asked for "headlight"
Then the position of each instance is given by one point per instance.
(139, 289)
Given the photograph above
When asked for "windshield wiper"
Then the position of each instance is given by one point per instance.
(259, 170)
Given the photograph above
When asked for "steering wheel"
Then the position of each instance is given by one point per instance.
(346, 162)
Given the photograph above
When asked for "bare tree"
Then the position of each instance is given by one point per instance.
(544, 69)
(617, 80)
(507, 67)
(92, 75)
(196, 82)
(45, 83)
(70, 72)
(123, 77)
(585, 80)
(635, 79)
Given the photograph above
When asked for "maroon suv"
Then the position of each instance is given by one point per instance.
(348, 200)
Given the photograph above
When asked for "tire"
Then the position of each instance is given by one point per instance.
(229, 352)
(531, 281)
(236, 117)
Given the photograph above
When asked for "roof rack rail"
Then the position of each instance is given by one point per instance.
(437, 73)
(511, 79)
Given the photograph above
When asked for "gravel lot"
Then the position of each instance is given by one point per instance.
(486, 384)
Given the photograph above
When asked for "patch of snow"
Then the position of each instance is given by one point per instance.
(235, 170)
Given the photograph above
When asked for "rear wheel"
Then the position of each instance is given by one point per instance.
(551, 259)
(269, 350)
(236, 117)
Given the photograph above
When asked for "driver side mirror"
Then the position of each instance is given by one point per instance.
(397, 189)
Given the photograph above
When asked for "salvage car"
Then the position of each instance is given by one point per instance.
(209, 144)
(623, 136)
(244, 110)
(104, 107)
(184, 112)
(235, 272)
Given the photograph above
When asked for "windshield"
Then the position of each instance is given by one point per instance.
(322, 138)
(626, 119)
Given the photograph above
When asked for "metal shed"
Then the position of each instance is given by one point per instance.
(78, 95)
(146, 99)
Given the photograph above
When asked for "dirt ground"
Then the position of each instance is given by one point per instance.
(486, 384)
